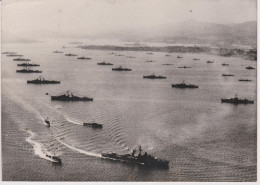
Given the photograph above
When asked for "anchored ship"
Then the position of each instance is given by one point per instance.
(69, 96)
(184, 85)
(121, 69)
(153, 76)
(84, 58)
(236, 101)
(28, 65)
(104, 63)
(41, 80)
(93, 125)
(145, 159)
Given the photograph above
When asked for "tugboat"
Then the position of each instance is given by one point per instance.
(27, 70)
(250, 67)
(227, 75)
(179, 56)
(154, 77)
(21, 59)
(41, 80)
(167, 64)
(224, 64)
(150, 61)
(145, 159)
(244, 80)
(69, 96)
(70, 55)
(47, 122)
(184, 85)
(121, 69)
(210, 62)
(93, 125)
(104, 63)
(185, 67)
(14, 55)
(84, 58)
(58, 52)
(236, 101)
(196, 59)
(28, 65)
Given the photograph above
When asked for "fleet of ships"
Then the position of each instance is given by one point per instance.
(143, 159)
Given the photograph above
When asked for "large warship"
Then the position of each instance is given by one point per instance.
(84, 58)
(250, 67)
(21, 59)
(70, 55)
(69, 96)
(145, 159)
(236, 101)
(153, 76)
(41, 80)
(14, 55)
(121, 69)
(28, 65)
(184, 85)
(104, 63)
(27, 70)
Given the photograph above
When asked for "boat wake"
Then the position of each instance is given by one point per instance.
(79, 150)
(38, 148)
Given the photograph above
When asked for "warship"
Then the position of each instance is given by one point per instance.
(196, 59)
(145, 159)
(9, 53)
(93, 125)
(244, 80)
(21, 59)
(121, 69)
(27, 70)
(150, 61)
(236, 101)
(185, 67)
(224, 64)
(58, 52)
(70, 55)
(167, 55)
(119, 55)
(84, 58)
(69, 96)
(179, 57)
(250, 67)
(14, 55)
(210, 62)
(41, 80)
(149, 53)
(154, 77)
(130, 57)
(227, 75)
(104, 63)
(28, 65)
(184, 85)
(167, 64)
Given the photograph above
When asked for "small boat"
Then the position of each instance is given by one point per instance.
(58, 52)
(21, 59)
(84, 58)
(93, 125)
(227, 75)
(121, 69)
(184, 85)
(70, 55)
(104, 63)
(196, 59)
(236, 101)
(210, 62)
(69, 96)
(250, 67)
(179, 57)
(41, 80)
(28, 65)
(244, 80)
(154, 77)
(224, 64)
(185, 67)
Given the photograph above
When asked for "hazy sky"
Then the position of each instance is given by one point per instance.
(55, 18)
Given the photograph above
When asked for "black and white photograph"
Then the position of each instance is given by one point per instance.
(129, 90)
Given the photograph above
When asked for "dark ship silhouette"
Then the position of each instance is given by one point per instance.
(121, 69)
(27, 70)
(145, 159)
(56, 159)
(210, 62)
(184, 85)
(236, 101)
(167, 64)
(179, 57)
(130, 57)
(153, 76)
(21, 59)
(224, 64)
(41, 80)
(9, 53)
(227, 75)
(104, 63)
(14, 55)
(84, 58)
(196, 59)
(28, 65)
(70, 55)
(69, 96)
(167, 55)
(250, 67)
(185, 67)
(150, 61)
(244, 80)
(93, 125)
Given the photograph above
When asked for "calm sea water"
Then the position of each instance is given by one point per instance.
(204, 139)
